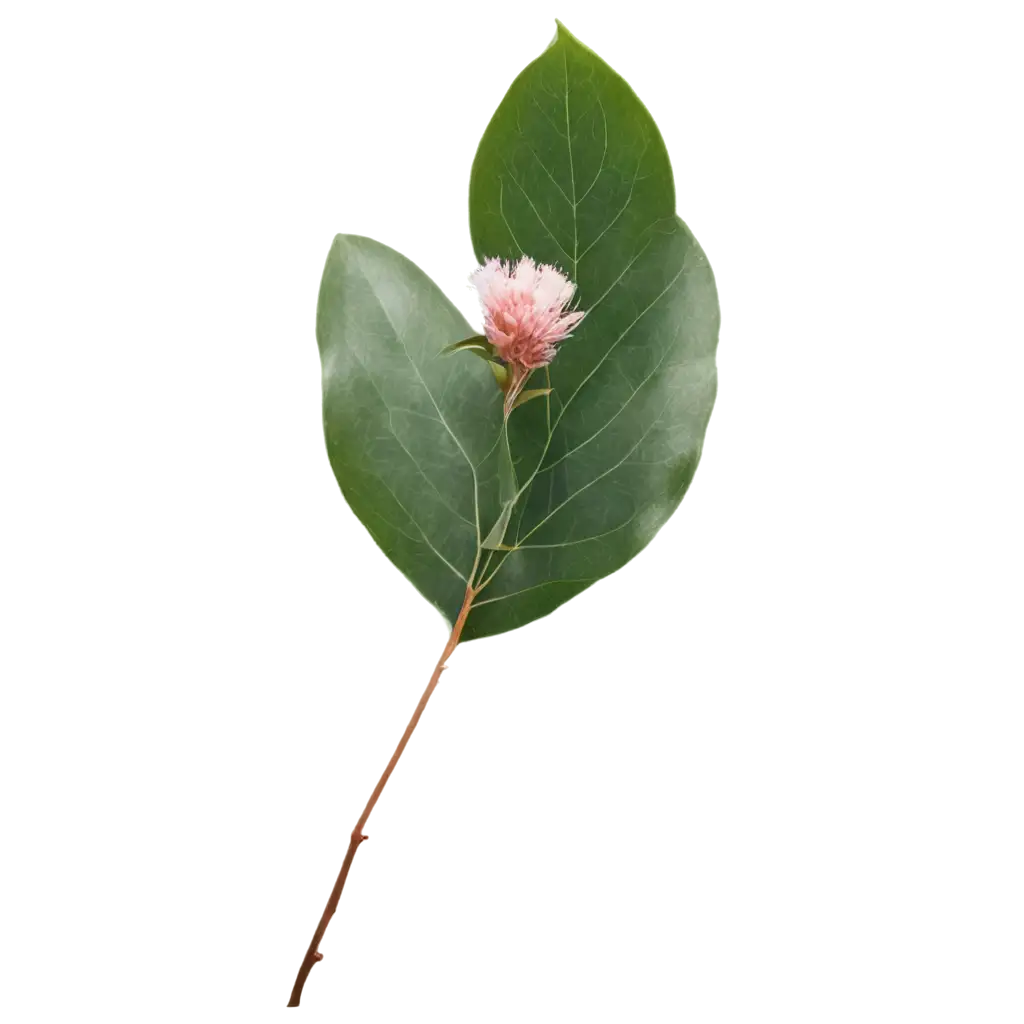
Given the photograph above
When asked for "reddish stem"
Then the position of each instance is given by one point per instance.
(517, 381)
(313, 954)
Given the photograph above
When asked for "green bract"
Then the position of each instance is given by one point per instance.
(570, 171)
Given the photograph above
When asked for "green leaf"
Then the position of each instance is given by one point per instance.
(478, 345)
(530, 393)
(573, 171)
(411, 437)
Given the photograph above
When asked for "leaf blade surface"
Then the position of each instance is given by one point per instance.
(573, 171)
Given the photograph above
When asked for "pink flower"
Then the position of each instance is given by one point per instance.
(524, 311)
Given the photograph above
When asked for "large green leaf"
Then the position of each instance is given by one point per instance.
(410, 432)
(573, 171)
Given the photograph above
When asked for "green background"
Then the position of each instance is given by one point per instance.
(202, 664)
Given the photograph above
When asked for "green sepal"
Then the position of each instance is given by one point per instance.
(500, 371)
(478, 345)
(525, 396)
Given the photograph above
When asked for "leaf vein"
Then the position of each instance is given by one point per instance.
(543, 167)
(501, 209)
(536, 212)
(625, 206)
(604, 154)
(536, 586)
(573, 543)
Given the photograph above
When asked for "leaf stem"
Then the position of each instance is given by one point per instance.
(313, 954)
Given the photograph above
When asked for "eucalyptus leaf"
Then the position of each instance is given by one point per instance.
(411, 437)
(572, 171)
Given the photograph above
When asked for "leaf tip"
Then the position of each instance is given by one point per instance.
(564, 30)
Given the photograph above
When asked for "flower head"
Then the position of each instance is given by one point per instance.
(524, 310)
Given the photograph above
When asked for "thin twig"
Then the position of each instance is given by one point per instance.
(313, 954)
